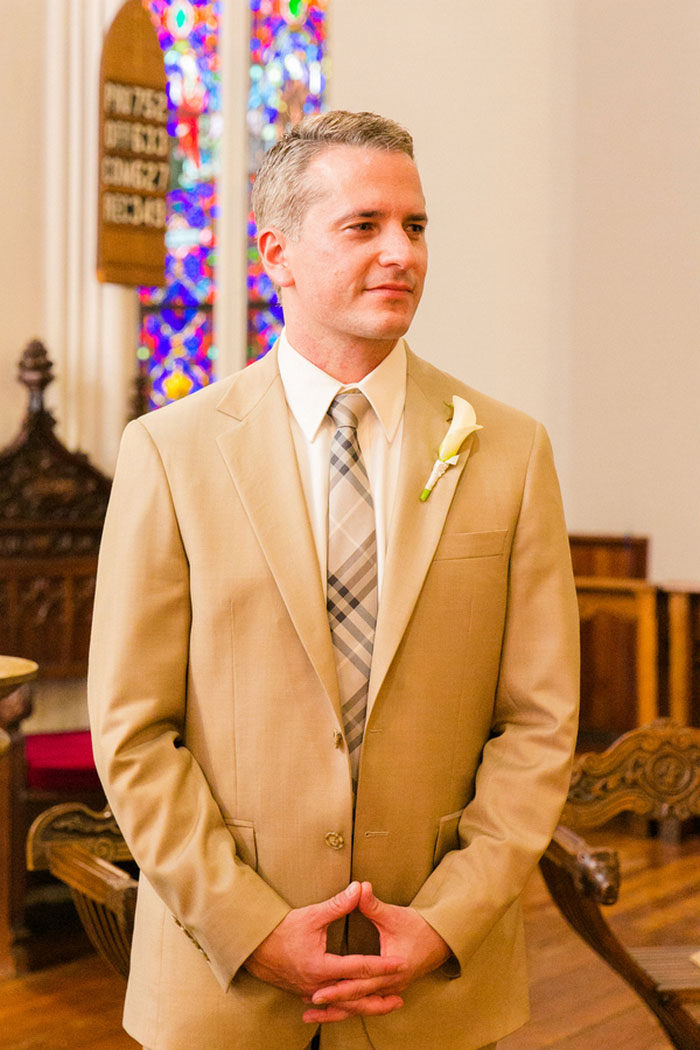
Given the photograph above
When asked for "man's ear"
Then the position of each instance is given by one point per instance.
(272, 246)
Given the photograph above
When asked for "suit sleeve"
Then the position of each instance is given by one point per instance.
(137, 691)
(523, 777)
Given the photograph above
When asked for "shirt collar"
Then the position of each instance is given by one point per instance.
(309, 390)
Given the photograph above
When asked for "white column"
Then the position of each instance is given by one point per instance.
(230, 312)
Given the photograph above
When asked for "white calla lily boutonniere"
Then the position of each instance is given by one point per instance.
(463, 424)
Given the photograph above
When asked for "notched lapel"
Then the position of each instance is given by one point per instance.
(416, 527)
(258, 449)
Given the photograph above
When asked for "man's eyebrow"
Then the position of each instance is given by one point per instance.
(359, 213)
(375, 213)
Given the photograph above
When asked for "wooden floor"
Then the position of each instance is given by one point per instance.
(577, 1003)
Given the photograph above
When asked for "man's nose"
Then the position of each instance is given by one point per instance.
(397, 248)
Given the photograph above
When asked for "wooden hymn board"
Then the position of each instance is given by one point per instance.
(134, 152)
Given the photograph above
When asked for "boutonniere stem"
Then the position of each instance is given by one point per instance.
(463, 424)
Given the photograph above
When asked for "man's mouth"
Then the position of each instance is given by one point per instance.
(391, 286)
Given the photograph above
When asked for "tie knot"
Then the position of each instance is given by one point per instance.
(348, 408)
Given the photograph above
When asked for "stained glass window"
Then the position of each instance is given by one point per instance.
(176, 351)
(288, 69)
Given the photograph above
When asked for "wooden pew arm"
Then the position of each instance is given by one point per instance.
(96, 879)
(579, 879)
(595, 872)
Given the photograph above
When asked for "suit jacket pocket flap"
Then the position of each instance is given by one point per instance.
(471, 544)
(244, 836)
(447, 837)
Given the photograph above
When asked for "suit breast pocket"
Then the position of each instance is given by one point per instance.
(455, 545)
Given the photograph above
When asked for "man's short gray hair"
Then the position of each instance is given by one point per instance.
(281, 193)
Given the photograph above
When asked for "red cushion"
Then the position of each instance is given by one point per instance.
(61, 762)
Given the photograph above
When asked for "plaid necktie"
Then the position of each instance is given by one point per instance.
(352, 568)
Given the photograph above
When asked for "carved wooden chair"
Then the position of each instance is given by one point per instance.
(52, 507)
(84, 849)
(654, 772)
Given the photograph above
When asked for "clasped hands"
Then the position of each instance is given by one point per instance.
(335, 987)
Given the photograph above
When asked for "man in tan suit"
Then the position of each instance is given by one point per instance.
(336, 786)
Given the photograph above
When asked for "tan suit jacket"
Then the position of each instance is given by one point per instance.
(217, 726)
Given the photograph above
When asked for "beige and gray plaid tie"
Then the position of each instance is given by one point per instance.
(352, 568)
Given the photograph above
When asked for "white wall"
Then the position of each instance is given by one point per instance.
(21, 211)
(483, 88)
(559, 142)
(635, 427)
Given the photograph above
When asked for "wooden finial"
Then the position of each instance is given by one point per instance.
(35, 372)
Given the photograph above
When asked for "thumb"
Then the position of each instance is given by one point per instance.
(370, 906)
(339, 905)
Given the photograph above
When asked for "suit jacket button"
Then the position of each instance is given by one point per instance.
(338, 739)
(335, 840)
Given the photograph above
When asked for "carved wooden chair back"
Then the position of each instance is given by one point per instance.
(52, 509)
(654, 772)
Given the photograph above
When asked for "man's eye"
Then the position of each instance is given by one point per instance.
(416, 227)
(362, 226)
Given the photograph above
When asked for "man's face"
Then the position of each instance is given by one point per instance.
(356, 271)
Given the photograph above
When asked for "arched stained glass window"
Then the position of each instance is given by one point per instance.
(288, 69)
(176, 352)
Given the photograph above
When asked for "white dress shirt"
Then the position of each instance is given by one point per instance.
(309, 392)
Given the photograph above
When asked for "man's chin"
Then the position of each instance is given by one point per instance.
(392, 326)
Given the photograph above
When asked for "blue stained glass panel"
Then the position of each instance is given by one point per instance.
(176, 355)
(288, 70)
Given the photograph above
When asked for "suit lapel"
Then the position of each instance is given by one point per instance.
(259, 453)
(415, 527)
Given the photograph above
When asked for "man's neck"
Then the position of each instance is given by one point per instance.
(348, 363)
